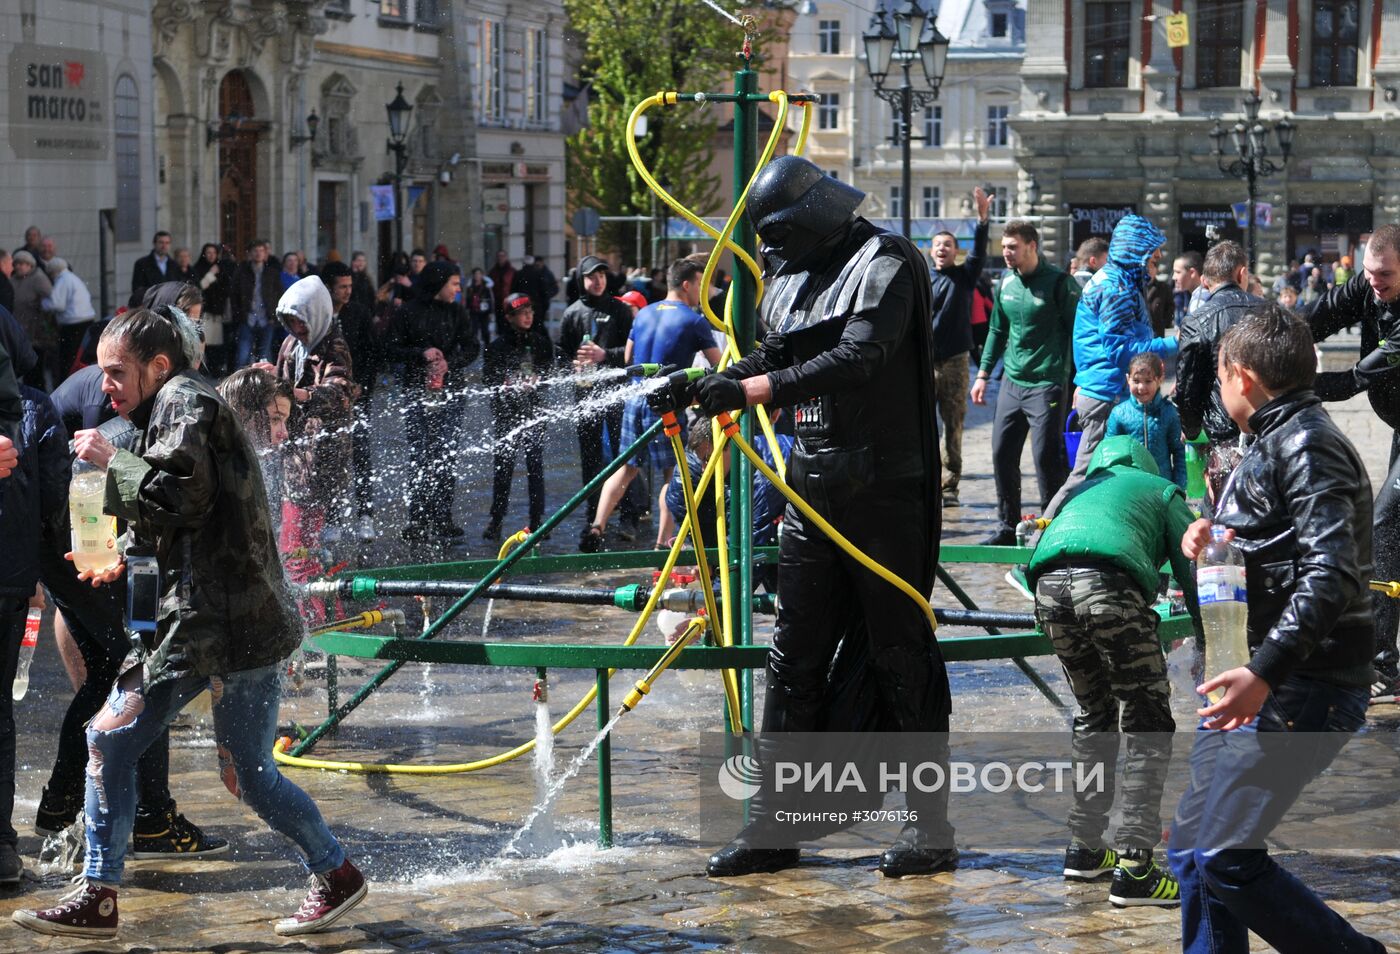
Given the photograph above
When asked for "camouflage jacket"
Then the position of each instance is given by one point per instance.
(193, 489)
(317, 459)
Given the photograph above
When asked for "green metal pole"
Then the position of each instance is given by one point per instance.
(745, 327)
(961, 596)
(605, 829)
(495, 574)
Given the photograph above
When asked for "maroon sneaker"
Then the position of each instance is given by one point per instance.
(331, 895)
(89, 910)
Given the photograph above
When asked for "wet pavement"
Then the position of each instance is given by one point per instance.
(429, 844)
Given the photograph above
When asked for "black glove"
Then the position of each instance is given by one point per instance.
(715, 393)
(1338, 385)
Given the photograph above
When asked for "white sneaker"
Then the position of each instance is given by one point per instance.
(364, 529)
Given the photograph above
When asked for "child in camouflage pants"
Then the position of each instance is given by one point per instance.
(1094, 586)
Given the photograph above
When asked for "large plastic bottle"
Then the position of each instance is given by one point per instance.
(1220, 585)
(26, 652)
(94, 534)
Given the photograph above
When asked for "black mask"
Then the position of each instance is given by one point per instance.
(799, 212)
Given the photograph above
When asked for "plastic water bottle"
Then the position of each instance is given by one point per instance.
(94, 534)
(1220, 585)
(26, 652)
(1196, 450)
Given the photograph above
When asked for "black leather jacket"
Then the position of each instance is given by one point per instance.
(1197, 394)
(1300, 505)
(1378, 371)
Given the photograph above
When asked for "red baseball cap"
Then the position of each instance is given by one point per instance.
(516, 302)
(634, 298)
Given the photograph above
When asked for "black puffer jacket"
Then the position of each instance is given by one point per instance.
(1378, 371)
(1197, 390)
(1300, 505)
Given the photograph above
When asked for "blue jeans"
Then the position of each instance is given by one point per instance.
(253, 342)
(245, 723)
(1242, 784)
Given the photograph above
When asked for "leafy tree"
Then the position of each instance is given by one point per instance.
(633, 49)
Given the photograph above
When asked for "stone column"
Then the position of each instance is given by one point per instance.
(1387, 69)
(1159, 203)
(1034, 159)
(1275, 70)
(1386, 163)
(1159, 73)
(1272, 242)
(1044, 72)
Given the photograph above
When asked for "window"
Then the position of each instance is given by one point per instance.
(933, 202)
(834, 173)
(491, 80)
(998, 129)
(536, 49)
(1001, 202)
(933, 126)
(1107, 31)
(896, 127)
(828, 110)
(126, 123)
(338, 7)
(391, 9)
(1334, 38)
(1219, 37)
(999, 24)
(829, 36)
(896, 201)
(427, 11)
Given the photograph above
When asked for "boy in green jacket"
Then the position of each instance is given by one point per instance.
(1094, 573)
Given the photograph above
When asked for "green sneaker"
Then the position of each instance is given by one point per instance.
(1083, 863)
(1145, 884)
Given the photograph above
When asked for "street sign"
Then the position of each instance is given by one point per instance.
(586, 222)
(1178, 31)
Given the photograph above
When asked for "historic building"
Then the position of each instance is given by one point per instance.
(228, 120)
(963, 139)
(1113, 119)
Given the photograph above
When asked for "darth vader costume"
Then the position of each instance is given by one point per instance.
(849, 347)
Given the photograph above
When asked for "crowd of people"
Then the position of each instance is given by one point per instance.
(229, 405)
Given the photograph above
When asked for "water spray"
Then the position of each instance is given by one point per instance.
(643, 685)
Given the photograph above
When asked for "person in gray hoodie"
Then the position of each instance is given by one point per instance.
(315, 361)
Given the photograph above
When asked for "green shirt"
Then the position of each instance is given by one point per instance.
(1032, 326)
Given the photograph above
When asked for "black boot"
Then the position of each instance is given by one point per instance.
(914, 854)
(740, 857)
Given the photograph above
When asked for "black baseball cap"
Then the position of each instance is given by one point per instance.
(590, 264)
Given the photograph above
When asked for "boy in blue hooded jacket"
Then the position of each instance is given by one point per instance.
(1111, 327)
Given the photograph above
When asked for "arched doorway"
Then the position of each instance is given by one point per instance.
(238, 163)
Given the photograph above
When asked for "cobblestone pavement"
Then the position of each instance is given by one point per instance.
(428, 843)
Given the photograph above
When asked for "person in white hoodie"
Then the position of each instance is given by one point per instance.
(315, 361)
(71, 303)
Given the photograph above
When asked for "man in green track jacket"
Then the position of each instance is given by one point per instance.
(1031, 327)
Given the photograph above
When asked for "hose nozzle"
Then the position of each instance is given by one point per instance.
(645, 370)
(677, 392)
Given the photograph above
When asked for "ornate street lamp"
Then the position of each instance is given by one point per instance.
(313, 122)
(913, 36)
(1251, 141)
(398, 110)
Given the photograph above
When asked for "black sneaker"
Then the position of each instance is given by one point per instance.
(1002, 538)
(1142, 885)
(1386, 689)
(414, 533)
(492, 532)
(11, 867)
(1083, 863)
(169, 834)
(449, 531)
(950, 498)
(591, 540)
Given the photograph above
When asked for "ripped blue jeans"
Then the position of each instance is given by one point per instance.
(245, 723)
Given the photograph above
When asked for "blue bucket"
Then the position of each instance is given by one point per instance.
(1072, 437)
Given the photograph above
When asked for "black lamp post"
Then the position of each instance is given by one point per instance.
(914, 36)
(313, 122)
(398, 111)
(1252, 144)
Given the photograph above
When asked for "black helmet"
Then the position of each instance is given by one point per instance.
(797, 209)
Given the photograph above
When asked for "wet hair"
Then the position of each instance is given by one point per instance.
(1193, 260)
(145, 333)
(186, 296)
(681, 271)
(1223, 260)
(1385, 238)
(949, 234)
(333, 270)
(249, 392)
(1091, 247)
(1149, 362)
(1022, 230)
(700, 441)
(1273, 343)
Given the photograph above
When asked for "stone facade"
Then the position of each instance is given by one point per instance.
(1140, 140)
